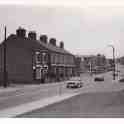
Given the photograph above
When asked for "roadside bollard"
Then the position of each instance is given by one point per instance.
(60, 88)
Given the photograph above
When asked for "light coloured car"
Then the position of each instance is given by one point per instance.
(74, 84)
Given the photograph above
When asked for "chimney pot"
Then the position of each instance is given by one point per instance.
(32, 35)
(52, 41)
(44, 38)
(62, 44)
(21, 32)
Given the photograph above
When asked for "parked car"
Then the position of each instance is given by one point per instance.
(74, 84)
(121, 80)
(99, 78)
(118, 71)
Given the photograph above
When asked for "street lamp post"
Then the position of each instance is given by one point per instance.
(113, 60)
(91, 68)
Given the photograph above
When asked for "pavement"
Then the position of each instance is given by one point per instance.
(28, 93)
(18, 110)
(19, 99)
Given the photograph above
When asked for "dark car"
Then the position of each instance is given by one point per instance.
(121, 80)
(74, 84)
(99, 78)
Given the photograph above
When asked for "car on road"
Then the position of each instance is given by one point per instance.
(99, 78)
(74, 84)
(121, 80)
(118, 71)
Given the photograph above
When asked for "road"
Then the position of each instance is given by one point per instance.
(84, 105)
(97, 99)
(32, 93)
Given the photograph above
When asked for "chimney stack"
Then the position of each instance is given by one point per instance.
(44, 38)
(62, 44)
(52, 41)
(32, 35)
(21, 32)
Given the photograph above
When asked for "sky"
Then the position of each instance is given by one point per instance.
(85, 27)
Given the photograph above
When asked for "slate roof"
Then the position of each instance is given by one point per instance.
(48, 46)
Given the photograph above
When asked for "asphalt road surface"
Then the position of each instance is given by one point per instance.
(98, 99)
(91, 91)
(84, 105)
(40, 92)
(27, 95)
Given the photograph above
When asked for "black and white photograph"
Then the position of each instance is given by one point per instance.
(62, 59)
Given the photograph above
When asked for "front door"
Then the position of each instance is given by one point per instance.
(38, 73)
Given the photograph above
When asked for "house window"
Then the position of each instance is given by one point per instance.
(44, 58)
(38, 57)
(52, 58)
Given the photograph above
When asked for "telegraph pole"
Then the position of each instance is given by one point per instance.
(4, 59)
(114, 63)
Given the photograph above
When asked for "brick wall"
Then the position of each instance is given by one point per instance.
(19, 62)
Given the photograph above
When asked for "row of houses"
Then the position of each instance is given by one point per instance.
(32, 60)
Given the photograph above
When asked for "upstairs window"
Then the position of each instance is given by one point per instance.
(44, 58)
(38, 57)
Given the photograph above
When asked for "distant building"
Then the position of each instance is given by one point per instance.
(94, 62)
(36, 61)
(100, 60)
(78, 65)
(121, 60)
